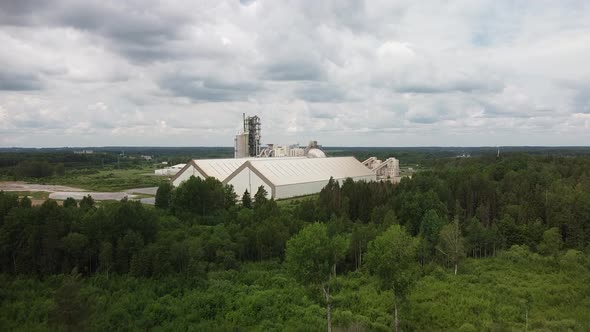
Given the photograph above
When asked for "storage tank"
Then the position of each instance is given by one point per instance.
(241, 146)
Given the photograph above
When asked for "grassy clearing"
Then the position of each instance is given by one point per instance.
(108, 179)
(505, 294)
(291, 200)
(40, 195)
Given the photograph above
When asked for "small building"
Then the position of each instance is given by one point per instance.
(170, 171)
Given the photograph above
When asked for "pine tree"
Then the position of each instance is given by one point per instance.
(246, 200)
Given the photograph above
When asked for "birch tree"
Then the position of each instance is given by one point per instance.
(451, 243)
(392, 258)
(311, 257)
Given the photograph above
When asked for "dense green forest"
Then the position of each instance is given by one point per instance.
(472, 244)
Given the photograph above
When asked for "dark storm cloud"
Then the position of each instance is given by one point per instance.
(208, 89)
(21, 12)
(297, 70)
(19, 81)
(320, 92)
(139, 34)
(465, 87)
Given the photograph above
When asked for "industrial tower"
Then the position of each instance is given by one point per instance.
(247, 143)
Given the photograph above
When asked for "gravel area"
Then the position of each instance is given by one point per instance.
(145, 191)
(98, 196)
(22, 186)
(62, 192)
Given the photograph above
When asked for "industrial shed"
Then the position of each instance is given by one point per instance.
(291, 177)
(204, 168)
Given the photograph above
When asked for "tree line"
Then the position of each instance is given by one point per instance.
(395, 233)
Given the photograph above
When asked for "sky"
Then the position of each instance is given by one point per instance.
(344, 73)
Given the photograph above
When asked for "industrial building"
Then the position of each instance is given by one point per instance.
(169, 171)
(284, 171)
(387, 170)
(291, 177)
(247, 142)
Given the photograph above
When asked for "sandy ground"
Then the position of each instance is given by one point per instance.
(97, 196)
(62, 192)
(145, 191)
(22, 186)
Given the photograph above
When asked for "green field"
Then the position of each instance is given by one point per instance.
(109, 179)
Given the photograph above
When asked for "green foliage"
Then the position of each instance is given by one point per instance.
(495, 293)
(70, 202)
(71, 309)
(392, 258)
(34, 169)
(87, 202)
(164, 196)
(551, 243)
(451, 243)
(25, 203)
(246, 200)
(191, 267)
(199, 197)
(313, 253)
(260, 198)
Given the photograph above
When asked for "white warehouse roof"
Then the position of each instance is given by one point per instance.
(217, 168)
(290, 177)
(204, 168)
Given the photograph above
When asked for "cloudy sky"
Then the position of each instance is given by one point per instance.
(345, 73)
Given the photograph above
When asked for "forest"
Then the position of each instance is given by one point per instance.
(472, 244)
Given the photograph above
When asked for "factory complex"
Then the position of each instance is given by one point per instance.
(284, 171)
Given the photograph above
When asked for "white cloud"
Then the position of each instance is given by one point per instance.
(341, 72)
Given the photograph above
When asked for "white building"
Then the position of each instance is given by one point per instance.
(281, 177)
(169, 171)
(291, 177)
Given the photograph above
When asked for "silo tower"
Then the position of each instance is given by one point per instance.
(247, 142)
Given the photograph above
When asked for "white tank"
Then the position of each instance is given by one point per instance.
(315, 153)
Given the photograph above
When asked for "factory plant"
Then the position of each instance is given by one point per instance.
(284, 171)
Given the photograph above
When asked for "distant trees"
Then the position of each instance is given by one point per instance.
(391, 257)
(34, 169)
(312, 256)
